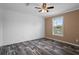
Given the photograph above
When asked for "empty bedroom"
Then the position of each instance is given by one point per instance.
(39, 28)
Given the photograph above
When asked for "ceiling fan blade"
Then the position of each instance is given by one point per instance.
(50, 7)
(40, 10)
(38, 7)
(47, 11)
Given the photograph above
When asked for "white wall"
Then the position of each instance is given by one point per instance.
(1, 15)
(18, 27)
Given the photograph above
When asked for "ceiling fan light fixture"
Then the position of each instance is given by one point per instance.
(44, 11)
(44, 8)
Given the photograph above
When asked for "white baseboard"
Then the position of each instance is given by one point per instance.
(17, 42)
(63, 41)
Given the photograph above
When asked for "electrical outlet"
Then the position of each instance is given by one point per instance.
(77, 40)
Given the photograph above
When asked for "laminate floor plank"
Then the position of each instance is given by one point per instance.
(39, 47)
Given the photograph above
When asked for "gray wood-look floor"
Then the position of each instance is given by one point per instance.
(39, 47)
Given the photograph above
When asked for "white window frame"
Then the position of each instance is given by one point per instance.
(53, 25)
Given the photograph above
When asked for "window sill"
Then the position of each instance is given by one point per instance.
(58, 35)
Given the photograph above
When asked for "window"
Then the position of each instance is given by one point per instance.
(58, 23)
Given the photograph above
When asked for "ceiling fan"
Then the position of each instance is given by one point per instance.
(44, 8)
